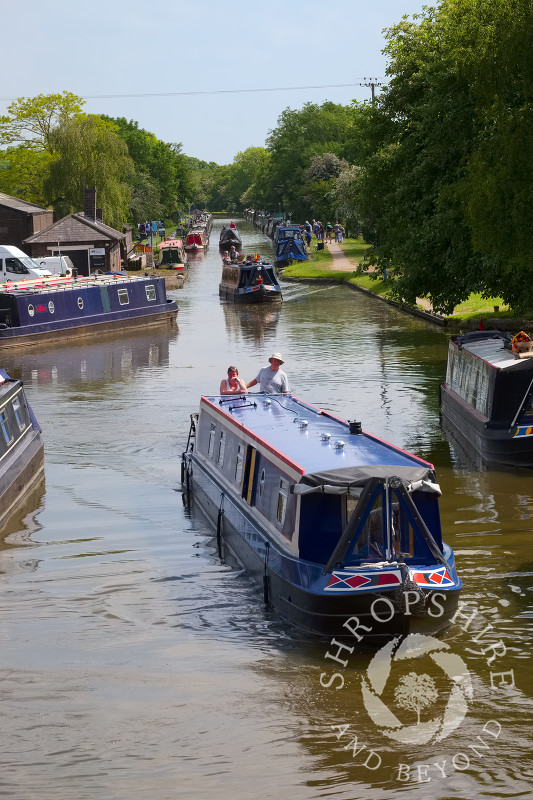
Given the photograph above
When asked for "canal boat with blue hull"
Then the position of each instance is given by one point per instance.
(340, 528)
(34, 312)
(247, 282)
(290, 245)
(487, 398)
(21, 446)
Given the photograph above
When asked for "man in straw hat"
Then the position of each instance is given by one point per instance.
(272, 379)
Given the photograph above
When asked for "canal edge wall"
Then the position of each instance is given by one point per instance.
(503, 324)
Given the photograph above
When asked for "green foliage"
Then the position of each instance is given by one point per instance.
(31, 120)
(162, 183)
(23, 172)
(300, 137)
(442, 189)
(89, 153)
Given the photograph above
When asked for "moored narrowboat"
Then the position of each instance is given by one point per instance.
(334, 523)
(34, 312)
(249, 281)
(172, 255)
(487, 398)
(21, 445)
(196, 239)
(290, 245)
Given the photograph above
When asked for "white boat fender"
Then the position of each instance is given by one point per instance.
(424, 486)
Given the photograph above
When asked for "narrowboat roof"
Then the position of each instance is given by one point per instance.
(170, 243)
(56, 284)
(306, 438)
(492, 347)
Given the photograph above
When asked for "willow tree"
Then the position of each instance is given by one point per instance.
(26, 134)
(88, 152)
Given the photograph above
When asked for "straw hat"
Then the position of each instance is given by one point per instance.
(277, 356)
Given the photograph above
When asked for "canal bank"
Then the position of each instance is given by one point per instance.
(423, 310)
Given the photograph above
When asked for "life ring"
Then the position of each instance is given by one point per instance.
(519, 338)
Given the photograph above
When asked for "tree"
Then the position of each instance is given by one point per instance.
(31, 120)
(23, 172)
(415, 692)
(299, 136)
(162, 164)
(89, 153)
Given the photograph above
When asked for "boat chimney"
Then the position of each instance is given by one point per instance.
(355, 427)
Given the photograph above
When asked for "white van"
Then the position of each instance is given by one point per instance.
(17, 266)
(58, 265)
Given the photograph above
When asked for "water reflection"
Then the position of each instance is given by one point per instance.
(101, 360)
(253, 324)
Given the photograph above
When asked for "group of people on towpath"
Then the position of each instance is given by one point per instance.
(271, 379)
(321, 233)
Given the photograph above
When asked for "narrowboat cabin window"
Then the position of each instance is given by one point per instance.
(282, 500)
(469, 376)
(211, 444)
(6, 430)
(123, 298)
(51, 307)
(262, 484)
(80, 303)
(221, 448)
(150, 292)
(239, 464)
(19, 414)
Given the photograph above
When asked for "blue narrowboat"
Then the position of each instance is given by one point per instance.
(290, 245)
(341, 528)
(250, 281)
(21, 445)
(487, 397)
(33, 312)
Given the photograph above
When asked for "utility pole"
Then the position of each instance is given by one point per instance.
(371, 83)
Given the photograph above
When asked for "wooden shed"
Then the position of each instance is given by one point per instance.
(89, 243)
(20, 219)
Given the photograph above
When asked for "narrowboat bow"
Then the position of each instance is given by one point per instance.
(335, 523)
(290, 245)
(249, 282)
(21, 446)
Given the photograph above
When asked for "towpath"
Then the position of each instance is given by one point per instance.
(342, 264)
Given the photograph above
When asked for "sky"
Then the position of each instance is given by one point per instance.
(136, 51)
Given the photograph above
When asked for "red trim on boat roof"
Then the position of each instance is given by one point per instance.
(274, 450)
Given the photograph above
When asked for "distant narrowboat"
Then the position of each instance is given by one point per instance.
(197, 239)
(487, 398)
(249, 282)
(21, 446)
(172, 255)
(290, 245)
(341, 528)
(229, 237)
(34, 312)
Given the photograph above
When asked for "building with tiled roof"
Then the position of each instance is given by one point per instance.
(20, 219)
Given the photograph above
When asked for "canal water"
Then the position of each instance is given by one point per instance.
(135, 663)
